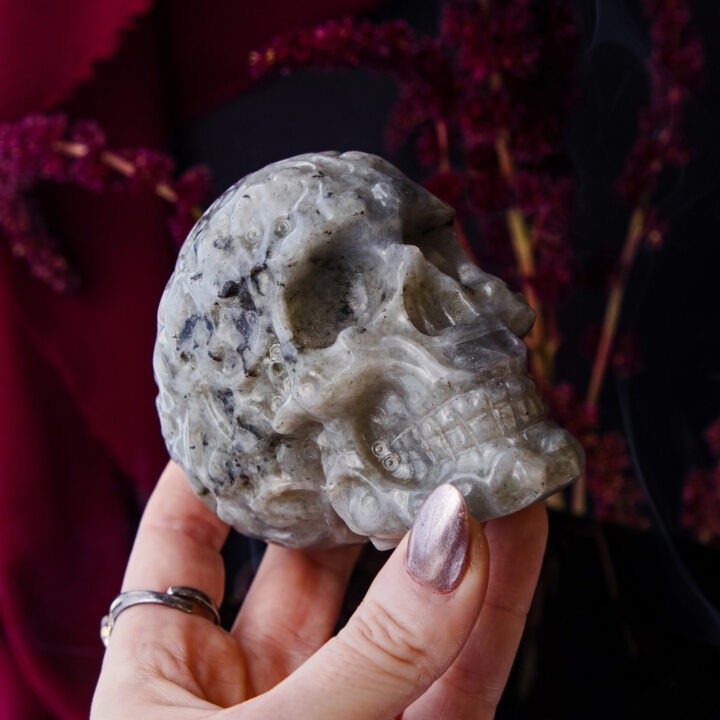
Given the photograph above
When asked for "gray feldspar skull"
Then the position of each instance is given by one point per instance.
(327, 354)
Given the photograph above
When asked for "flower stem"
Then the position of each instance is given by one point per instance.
(462, 239)
(542, 349)
(542, 352)
(443, 142)
(441, 132)
(614, 304)
(609, 330)
(116, 163)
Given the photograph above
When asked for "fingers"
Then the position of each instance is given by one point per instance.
(472, 686)
(158, 656)
(411, 625)
(518, 546)
(178, 543)
(291, 609)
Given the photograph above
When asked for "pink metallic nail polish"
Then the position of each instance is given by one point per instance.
(438, 543)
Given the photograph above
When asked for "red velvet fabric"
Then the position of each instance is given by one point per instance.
(48, 49)
(80, 447)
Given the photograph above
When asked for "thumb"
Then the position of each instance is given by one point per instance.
(411, 625)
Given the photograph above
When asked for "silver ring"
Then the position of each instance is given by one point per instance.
(179, 597)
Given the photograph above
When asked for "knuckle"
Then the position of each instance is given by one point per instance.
(155, 660)
(517, 611)
(390, 645)
(288, 645)
(481, 689)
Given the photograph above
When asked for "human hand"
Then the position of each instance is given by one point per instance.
(411, 650)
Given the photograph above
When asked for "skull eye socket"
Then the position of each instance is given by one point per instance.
(335, 291)
(434, 302)
(437, 246)
(433, 294)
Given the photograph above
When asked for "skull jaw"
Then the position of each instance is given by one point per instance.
(379, 508)
(493, 443)
(518, 475)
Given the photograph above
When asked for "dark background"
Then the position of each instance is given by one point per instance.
(626, 622)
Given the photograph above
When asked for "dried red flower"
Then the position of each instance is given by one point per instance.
(87, 169)
(614, 492)
(499, 40)
(29, 242)
(701, 494)
(40, 148)
(190, 189)
(675, 69)
(712, 437)
(701, 504)
(450, 186)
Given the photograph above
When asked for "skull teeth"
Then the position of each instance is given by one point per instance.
(462, 424)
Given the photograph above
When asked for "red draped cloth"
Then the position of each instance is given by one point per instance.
(80, 447)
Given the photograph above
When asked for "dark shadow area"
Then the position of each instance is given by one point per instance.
(625, 622)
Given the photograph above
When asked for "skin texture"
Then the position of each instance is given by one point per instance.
(410, 650)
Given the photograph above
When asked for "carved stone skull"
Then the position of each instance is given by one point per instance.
(327, 354)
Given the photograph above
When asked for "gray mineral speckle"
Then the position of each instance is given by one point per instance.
(327, 355)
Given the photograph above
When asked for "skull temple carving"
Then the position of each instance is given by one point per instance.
(327, 354)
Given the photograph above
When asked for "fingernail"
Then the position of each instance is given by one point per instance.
(438, 543)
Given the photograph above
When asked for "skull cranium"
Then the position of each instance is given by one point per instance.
(327, 355)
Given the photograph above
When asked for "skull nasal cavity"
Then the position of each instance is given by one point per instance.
(329, 296)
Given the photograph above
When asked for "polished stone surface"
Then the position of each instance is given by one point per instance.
(327, 355)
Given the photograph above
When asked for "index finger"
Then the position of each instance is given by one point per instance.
(178, 541)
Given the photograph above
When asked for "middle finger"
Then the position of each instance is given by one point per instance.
(291, 609)
(472, 686)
